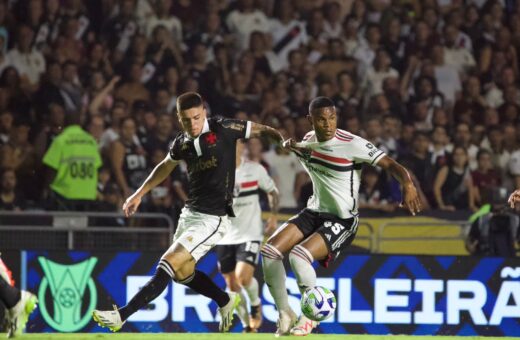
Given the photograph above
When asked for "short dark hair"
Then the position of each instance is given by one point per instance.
(320, 103)
(188, 100)
(482, 152)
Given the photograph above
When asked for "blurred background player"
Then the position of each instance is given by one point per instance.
(333, 159)
(18, 304)
(239, 249)
(208, 145)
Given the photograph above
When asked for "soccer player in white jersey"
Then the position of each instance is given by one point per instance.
(239, 249)
(333, 159)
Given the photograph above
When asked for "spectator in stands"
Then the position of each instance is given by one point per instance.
(453, 187)
(440, 147)
(244, 20)
(6, 126)
(128, 158)
(162, 137)
(96, 127)
(471, 107)
(418, 162)
(163, 17)
(72, 87)
(378, 72)
(72, 162)
(288, 33)
(17, 97)
(10, 197)
(485, 178)
(161, 196)
(132, 89)
(456, 65)
(446, 76)
(372, 194)
(288, 174)
(19, 155)
(117, 114)
(29, 62)
(462, 137)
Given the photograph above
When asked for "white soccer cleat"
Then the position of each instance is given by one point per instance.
(110, 319)
(19, 314)
(227, 312)
(304, 326)
(286, 320)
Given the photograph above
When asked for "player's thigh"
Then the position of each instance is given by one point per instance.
(286, 237)
(180, 260)
(317, 246)
(295, 230)
(198, 233)
(336, 234)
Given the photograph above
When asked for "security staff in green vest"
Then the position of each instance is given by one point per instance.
(73, 160)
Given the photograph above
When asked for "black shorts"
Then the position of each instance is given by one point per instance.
(337, 233)
(229, 255)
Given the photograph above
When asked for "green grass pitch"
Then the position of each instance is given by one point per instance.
(234, 336)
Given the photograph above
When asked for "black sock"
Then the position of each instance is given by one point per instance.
(148, 292)
(8, 294)
(203, 285)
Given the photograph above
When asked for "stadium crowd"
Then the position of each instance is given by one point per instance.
(434, 83)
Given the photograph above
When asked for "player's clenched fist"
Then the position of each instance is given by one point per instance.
(514, 198)
(131, 205)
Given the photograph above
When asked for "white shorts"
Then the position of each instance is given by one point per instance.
(198, 232)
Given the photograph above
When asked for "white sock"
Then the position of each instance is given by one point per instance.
(243, 313)
(301, 264)
(275, 276)
(252, 292)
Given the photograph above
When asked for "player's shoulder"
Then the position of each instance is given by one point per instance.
(219, 123)
(177, 139)
(308, 136)
(345, 136)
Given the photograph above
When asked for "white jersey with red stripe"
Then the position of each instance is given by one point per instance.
(335, 170)
(250, 178)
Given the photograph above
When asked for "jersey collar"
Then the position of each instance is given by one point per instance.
(205, 128)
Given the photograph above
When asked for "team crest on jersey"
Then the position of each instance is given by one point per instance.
(211, 138)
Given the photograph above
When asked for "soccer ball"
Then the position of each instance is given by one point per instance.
(318, 303)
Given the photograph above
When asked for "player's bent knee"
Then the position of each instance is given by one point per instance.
(300, 253)
(271, 252)
(244, 280)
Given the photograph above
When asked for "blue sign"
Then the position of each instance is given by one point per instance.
(376, 294)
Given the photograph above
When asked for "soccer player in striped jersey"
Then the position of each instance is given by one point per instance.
(239, 249)
(333, 159)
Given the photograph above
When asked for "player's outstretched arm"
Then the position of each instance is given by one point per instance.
(156, 177)
(411, 199)
(260, 130)
(514, 198)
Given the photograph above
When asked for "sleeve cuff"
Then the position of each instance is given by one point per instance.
(248, 130)
(377, 158)
(170, 159)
